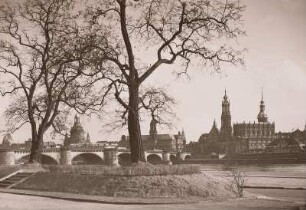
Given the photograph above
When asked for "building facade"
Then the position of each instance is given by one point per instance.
(155, 141)
(239, 138)
(257, 135)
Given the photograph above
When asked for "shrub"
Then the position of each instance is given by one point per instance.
(237, 181)
(138, 170)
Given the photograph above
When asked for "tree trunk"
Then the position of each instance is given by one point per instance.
(36, 148)
(137, 152)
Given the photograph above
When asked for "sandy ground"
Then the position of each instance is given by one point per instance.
(21, 202)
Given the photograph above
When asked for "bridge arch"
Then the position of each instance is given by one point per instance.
(87, 158)
(187, 157)
(154, 158)
(124, 158)
(173, 158)
(45, 159)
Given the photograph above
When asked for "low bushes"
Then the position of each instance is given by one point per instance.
(137, 170)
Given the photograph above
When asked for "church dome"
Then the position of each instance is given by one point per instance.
(77, 133)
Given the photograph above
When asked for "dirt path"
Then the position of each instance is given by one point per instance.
(22, 202)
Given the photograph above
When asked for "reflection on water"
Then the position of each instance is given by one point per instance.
(281, 169)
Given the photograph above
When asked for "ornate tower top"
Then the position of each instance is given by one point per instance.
(87, 138)
(153, 130)
(262, 116)
(226, 125)
(183, 132)
(66, 140)
(225, 96)
(77, 119)
(77, 133)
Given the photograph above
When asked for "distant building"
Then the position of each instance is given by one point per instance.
(77, 134)
(258, 135)
(165, 142)
(241, 138)
(293, 142)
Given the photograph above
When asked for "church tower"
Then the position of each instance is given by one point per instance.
(262, 116)
(226, 125)
(153, 130)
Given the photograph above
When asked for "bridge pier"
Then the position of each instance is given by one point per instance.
(65, 158)
(181, 156)
(7, 157)
(166, 158)
(111, 156)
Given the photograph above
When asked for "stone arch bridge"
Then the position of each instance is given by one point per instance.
(91, 155)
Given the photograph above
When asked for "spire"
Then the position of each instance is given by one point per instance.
(225, 96)
(262, 116)
(183, 132)
(226, 125)
(153, 129)
(214, 129)
(66, 140)
(76, 119)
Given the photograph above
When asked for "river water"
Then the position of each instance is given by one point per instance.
(272, 175)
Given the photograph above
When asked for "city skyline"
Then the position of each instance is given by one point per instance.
(276, 40)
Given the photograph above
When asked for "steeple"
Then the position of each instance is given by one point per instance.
(262, 116)
(183, 132)
(214, 131)
(153, 130)
(226, 125)
(76, 119)
(66, 140)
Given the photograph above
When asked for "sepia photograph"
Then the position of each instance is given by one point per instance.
(146, 104)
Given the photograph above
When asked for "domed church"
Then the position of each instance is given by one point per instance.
(77, 134)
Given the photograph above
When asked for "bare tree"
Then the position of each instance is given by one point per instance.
(237, 181)
(171, 31)
(40, 63)
(158, 104)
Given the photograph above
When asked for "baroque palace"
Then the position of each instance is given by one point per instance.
(246, 138)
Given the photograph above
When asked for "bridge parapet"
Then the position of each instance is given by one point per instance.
(7, 157)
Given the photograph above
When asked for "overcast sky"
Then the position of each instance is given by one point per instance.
(276, 61)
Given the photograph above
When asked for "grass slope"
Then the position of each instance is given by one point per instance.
(199, 185)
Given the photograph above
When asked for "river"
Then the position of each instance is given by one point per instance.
(290, 176)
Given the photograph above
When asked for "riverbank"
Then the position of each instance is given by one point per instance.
(167, 186)
(257, 158)
(25, 202)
